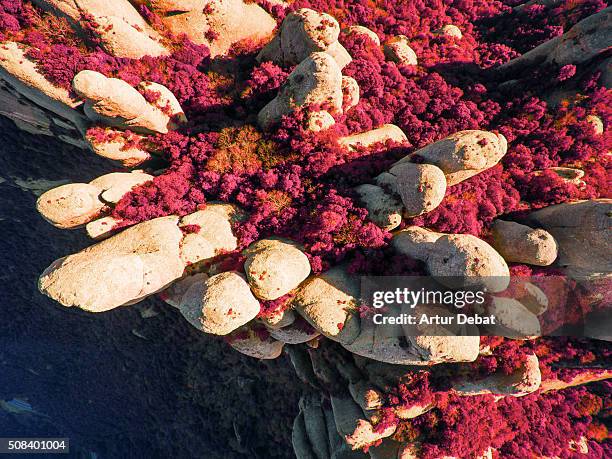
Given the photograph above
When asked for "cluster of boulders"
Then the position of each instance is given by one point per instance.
(345, 421)
(309, 40)
(184, 256)
(420, 179)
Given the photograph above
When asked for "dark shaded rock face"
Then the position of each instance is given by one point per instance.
(138, 381)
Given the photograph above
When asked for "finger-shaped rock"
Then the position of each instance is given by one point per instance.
(165, 100)
(384, 210)
(255, 342)
(456, 260)
(352, 425)
(521, 244)
(398, 50)
(316, 425)
(329, 302)
(71, 205)
(316, 80)
(75, 204)
(405, 346)
(459, 260)
(122, 31)
(523, 381)
(368, 138)
(421, 186)
(116, 103)
(302, 33)
(118, 146)
(513, 319)
(274, 267)
(220, 304)
(21, 74)
(463, 154)
(299, 439)
(127, 267)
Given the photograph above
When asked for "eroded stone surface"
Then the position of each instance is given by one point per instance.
(274, 267)
(220, 304)
(316, 80)
(521, 244)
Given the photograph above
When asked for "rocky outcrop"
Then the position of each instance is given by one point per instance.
(315, 81)
(302, 33)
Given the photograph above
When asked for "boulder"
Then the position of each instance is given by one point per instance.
(368, 138)
(567, 174)
(101, 228)
(587, 39)
(214, 235)
(421, 186)
(463, 260)
(122, 269)
(583, 231)
(521, 244)
(329, 302)
(455, 260)
(274, 267)
(450, 30)
(463, 154)
(361, 30)
(71, 205)
(119, 146)
(315, 81)
(165, 101)
(384, 210)
(523, 381)
(218, 24)
(302, 33)
(415, 242)
(114, 102)
(174, 294)
(220, 304)
(513, 319)
(122, 31)
(398, 50)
